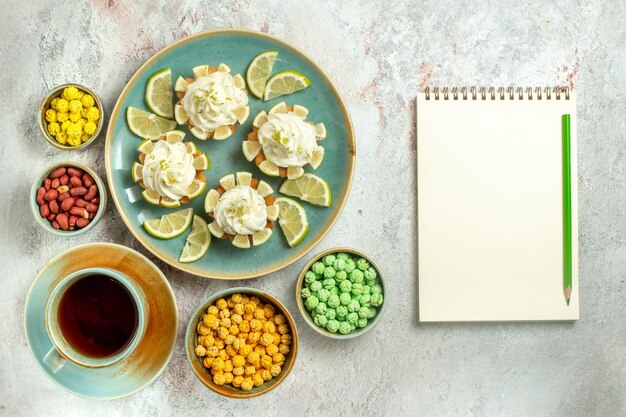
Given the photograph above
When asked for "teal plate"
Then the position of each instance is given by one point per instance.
(236, 48)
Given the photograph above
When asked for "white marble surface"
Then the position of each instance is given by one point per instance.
(378, 53)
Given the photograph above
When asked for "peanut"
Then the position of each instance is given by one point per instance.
(95, 200)
(78, 191)
(91, 216)
(55, 224)
(75, 172)
(63, 189)
(44, 210)
(93, 190)
(54, 206)
(51, 217)
(63, 196)
(76, 182)
(87, 180)
(82, 222)
(92, 208)
(55, 183)
(51, 194)
(46, 183)
(81, 212)
(73, 220)
(56, 173)
(63, 221)
(80, 203)
(40, 193)
(68, 203)
(64, 179)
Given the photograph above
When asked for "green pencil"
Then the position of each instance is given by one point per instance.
(567, 209)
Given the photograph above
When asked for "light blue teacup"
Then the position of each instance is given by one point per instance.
(62, 351)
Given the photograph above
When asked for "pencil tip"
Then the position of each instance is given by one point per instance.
(568, 294)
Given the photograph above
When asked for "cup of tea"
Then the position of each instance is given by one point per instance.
(95, 317)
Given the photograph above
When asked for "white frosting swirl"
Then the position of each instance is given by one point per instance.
(168, 169)
(287, 140)
(210, 100)
(241, 210)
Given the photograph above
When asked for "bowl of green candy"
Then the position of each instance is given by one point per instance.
(340, 293)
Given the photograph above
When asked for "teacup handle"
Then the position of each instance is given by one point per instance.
(54, 360)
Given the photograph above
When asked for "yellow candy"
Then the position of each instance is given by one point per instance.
(69, 93)
(54, 128)
(65, 125)
(238, 361)
(74, 116)
(237, 380)
(257, 379)
(74, 131)
(61, 137)
(247, 384)
(87, 101)
(219, 379)
(62, 116)
(51, 115)
(75, 106)
(275, 370)
(80, 95)
(85, 137)
(74, 140)
(228, 377)
(63, 105)
(53, 103)
(93, 114)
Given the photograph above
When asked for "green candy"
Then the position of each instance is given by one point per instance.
(345, 286)
(353, 306)
(334, 290)
(342, 255)
(345, 298)
(329, 272)
(365, 300)
(352, 318)
(339, 265)
(315, 286)
(350, 266)
(320, 320)
(364, 312)
(362, 264)
(377, 299)
(323, 295)
(329, 260)
(321, 308)
(332, 326)
(371, 312)
(377, 289)
(342, 311)
(344, 328)
(333, 301)
(366, 290)
(331, 314)
(329, 283)
(305, 292)
(311, 302)
(356, 276)
(357, 289)
(362, 322)
(341, 276)
(370, 274)
(309, 277)
(318, 268)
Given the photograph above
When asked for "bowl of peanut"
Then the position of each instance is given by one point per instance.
(241, 342)
(68, 198)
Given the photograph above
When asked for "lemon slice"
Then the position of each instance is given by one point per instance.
(250, 148)
(285, 82)
(181, 85)
(151, 196)
(159, 93)
(146, 146)
(260, 119)
(196, 189)
(300, 111)
(272, 212)
(269, 168)
(211, 200)
(242, 113)
(200, 71)
(169, 202)
(201, 162)
(239, 82)
(318, 157)
(244, 178)
(292, 220)
(192, 148)
(279, 108)
(264, 189)
(223, 132)
(320, 131)
(180, 114)
(227, 181)
(199, 133)
(241, 241)
(259, 72)
(260, 237)
(310, 188)
(223, 68)
(216, 230)
(294, 172)
(198, 241)
(147, 125)
(137, 171)
(169, 225)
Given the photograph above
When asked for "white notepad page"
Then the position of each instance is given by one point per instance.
(490, 209)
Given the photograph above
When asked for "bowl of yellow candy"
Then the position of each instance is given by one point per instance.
(241, 342)
(71, 116)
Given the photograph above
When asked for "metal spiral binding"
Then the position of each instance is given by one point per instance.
(491, 93)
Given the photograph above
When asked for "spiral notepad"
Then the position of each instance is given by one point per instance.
(490, 194)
